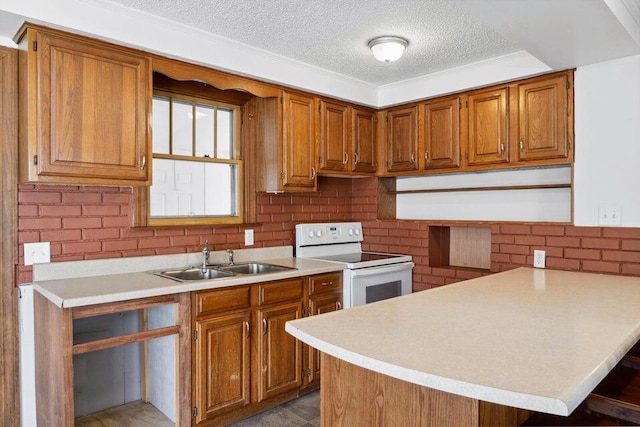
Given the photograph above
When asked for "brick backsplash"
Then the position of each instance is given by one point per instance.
(94, 222)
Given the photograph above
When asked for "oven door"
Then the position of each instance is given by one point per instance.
(367, 285)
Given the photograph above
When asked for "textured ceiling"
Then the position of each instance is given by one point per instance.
(333, 34)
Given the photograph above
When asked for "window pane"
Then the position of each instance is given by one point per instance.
(220, 189)
(178, 188)
(160, 125)
(204, 130)
(182, 128)
(225, 134)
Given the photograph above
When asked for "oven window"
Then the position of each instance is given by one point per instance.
(383, 291)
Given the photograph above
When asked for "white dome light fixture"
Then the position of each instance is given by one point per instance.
(388, 48)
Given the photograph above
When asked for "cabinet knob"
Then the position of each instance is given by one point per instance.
(345, 158)
(501, 148)
(313, 172)
(247, 330)
(522, 144)
(143, 161)
(339, 305)
(426, 157)
(356, 158)
(413, 157)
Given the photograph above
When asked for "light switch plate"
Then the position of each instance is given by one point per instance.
(37, 253)
(248, 237)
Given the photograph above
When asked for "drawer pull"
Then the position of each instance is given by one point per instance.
(143, 161)
(345, 158)
(522, 144)
(247, 330)
(356, 158)
(265, 326)
(327, 283)
(339, 305)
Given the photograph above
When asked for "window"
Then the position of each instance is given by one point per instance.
(197, 170)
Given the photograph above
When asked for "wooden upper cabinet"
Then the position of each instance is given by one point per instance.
(334, 137)
(442, 134)
(363, 140)
(543, 120)
(299, 142)
(487, 126)
(84, 110)
(402, 139)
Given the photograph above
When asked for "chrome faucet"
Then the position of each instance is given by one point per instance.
(230, 256)
(205, 255)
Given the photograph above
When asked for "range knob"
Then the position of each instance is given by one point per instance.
(350, 232)
(311, 234)
(357, 231)
(319, 233)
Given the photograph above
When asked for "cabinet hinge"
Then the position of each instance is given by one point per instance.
(35, 46)
(195, 411)
(195, 335)
(281, 100)
(35, 159)
(568, 85)
(282, 176)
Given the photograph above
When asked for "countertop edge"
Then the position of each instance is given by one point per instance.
(474, 391)
(175, 287)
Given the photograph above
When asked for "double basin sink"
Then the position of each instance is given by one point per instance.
(221, 271)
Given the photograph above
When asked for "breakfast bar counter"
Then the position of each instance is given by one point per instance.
(531, 339)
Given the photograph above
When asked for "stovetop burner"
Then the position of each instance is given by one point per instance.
(358, 257)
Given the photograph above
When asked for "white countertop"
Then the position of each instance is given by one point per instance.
(82, 288)
(528, 338)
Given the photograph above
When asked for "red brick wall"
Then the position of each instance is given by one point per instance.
(93, 222)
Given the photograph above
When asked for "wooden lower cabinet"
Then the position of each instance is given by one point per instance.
(222, 364)
(244, 361)
(279, 354)
(324, 296)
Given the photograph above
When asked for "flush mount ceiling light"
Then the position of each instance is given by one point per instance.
(388, 48)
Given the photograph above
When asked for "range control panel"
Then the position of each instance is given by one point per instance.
(328, 233)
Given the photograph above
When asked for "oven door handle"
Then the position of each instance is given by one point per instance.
(393, 268)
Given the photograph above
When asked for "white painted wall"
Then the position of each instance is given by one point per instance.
(607, 132)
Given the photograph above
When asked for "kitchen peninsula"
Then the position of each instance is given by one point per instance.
(479, 352)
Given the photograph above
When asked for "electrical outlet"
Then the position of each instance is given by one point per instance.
(609, 215)
(248, 237)
(539, 260)
(36, 253)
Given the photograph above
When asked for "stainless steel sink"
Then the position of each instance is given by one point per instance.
(195, 273)
(255, 268)
(220, 272)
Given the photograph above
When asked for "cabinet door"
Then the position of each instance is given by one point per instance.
(279, 354)
(543, 119)
(402, 139)
(334, 139)
(92, 111)
(442, 134)
(299, 142)
(222, 364)
(363, 140)
(318, 304)
(488, 118)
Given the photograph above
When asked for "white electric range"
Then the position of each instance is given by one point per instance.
(368, 276)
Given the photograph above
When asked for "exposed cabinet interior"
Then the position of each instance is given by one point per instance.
(100, 359)
(468, 247)
(68, 133)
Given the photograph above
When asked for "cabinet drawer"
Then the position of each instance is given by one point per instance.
(223, 299)
(280, 291)
(325, 283)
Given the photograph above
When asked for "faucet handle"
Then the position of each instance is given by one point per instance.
(206, 244)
